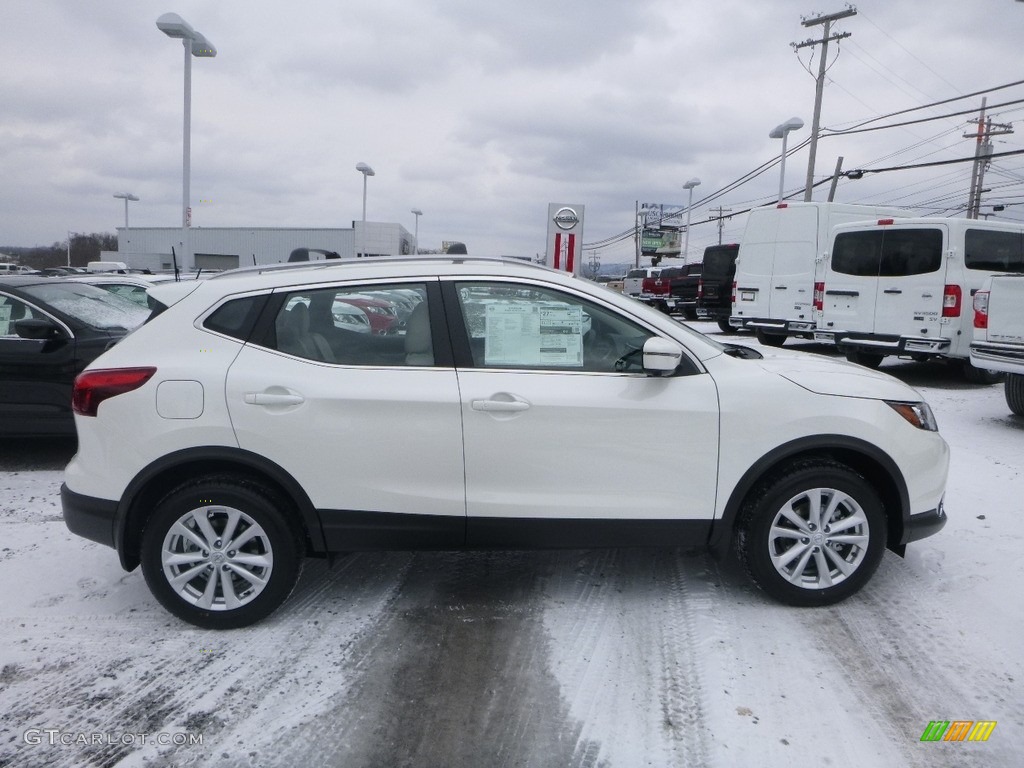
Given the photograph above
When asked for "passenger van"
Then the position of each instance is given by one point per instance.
(905, 286)
(780, 263)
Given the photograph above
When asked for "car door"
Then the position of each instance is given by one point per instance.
(564, 431)
(35, 374)
(911, 279)
(368, 424)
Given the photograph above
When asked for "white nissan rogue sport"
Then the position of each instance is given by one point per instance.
(246, 426)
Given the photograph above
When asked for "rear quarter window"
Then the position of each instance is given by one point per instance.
(994, 251)
(235, 318)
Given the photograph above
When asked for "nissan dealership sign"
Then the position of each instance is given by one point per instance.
(565, 237)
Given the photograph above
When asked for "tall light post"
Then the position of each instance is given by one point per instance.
(366, 170)
(782, 131)
(172, 25)
(417, 213)
(126, 196)
(689, 185)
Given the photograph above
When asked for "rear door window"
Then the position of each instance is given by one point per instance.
(887, 253)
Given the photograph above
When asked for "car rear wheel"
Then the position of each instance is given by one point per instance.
(976, 375)
(1014, 390)
(865, 358)
(219, 553)
(812, 534)
(724, 327)
(770, 339)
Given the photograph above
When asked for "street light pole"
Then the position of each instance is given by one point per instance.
(126, 196)
(366, 170)
(416, 248)
(194, 44)
(689, 185)
(781, 131)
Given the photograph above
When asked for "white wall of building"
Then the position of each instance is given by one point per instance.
(226, 247)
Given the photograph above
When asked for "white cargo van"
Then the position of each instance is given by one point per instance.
(779, 265)
(905, 287)
(999, 333)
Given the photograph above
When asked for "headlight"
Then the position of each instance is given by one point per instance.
(918, 414)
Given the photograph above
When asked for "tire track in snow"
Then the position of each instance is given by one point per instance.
(628, 631)
(229, 686)
(906, 676)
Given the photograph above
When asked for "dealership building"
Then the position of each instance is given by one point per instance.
(158, 248)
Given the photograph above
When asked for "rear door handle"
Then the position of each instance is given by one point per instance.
(892, 290)
(268, 398)
(497, 406)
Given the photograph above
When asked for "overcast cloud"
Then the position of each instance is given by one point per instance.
(480, 113)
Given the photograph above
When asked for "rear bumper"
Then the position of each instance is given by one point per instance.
(877, 344)
(89, 517)
(774, 326)
(1008, 358)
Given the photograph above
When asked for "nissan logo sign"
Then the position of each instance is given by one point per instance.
(566, 218)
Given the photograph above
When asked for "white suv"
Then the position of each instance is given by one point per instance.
(246, 425)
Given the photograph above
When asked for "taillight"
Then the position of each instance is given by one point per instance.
(819, 297)
(700, 289)
(93, 387)
(981, 309)
(951, 298)
(733, 297)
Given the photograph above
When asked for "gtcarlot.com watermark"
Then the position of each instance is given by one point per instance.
(56, 736)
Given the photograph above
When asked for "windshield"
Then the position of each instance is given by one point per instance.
(90, 305)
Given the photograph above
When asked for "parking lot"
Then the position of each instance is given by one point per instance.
(563, 658)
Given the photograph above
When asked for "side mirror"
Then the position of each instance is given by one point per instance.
(661, 356)
(37, 328)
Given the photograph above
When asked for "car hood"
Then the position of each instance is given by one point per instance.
(825, 376)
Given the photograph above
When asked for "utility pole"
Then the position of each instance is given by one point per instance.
(826, 38)
(982, 151)
(721, 219)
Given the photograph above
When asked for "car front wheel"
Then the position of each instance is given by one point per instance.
(219, 553)
(813, 534)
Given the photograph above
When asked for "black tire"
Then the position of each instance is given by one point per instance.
(1014, 390)
(866, 359)
(769, 339)
(690, 314)
(797, 575)
(724, 327)
(262, 569)
(976, 375)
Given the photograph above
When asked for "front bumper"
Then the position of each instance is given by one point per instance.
(89, 517)
(926, 524)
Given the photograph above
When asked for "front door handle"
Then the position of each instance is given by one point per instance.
(497, 406)
(269, 398)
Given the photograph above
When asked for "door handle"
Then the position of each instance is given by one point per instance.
(267, 398)
(781, 287)
(892, 290)
(493, 406)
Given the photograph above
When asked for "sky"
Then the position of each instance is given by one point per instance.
(481, 114)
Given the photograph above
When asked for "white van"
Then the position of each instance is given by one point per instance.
(107, 266)
(6, 268)
(905, 286)
(779, 265)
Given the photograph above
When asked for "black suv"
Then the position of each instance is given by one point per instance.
(714, 294)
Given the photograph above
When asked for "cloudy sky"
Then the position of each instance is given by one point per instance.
(481, 113)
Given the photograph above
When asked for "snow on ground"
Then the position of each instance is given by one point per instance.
(614, 658)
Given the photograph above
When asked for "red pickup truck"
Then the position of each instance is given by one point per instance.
(674, 290)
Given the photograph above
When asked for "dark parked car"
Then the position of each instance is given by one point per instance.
(50, 329)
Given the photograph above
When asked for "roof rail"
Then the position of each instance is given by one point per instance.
(350, 261)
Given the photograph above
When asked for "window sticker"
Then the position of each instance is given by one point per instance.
(5, 320)
(525, 334)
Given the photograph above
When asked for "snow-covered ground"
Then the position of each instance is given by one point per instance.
(615, 658)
